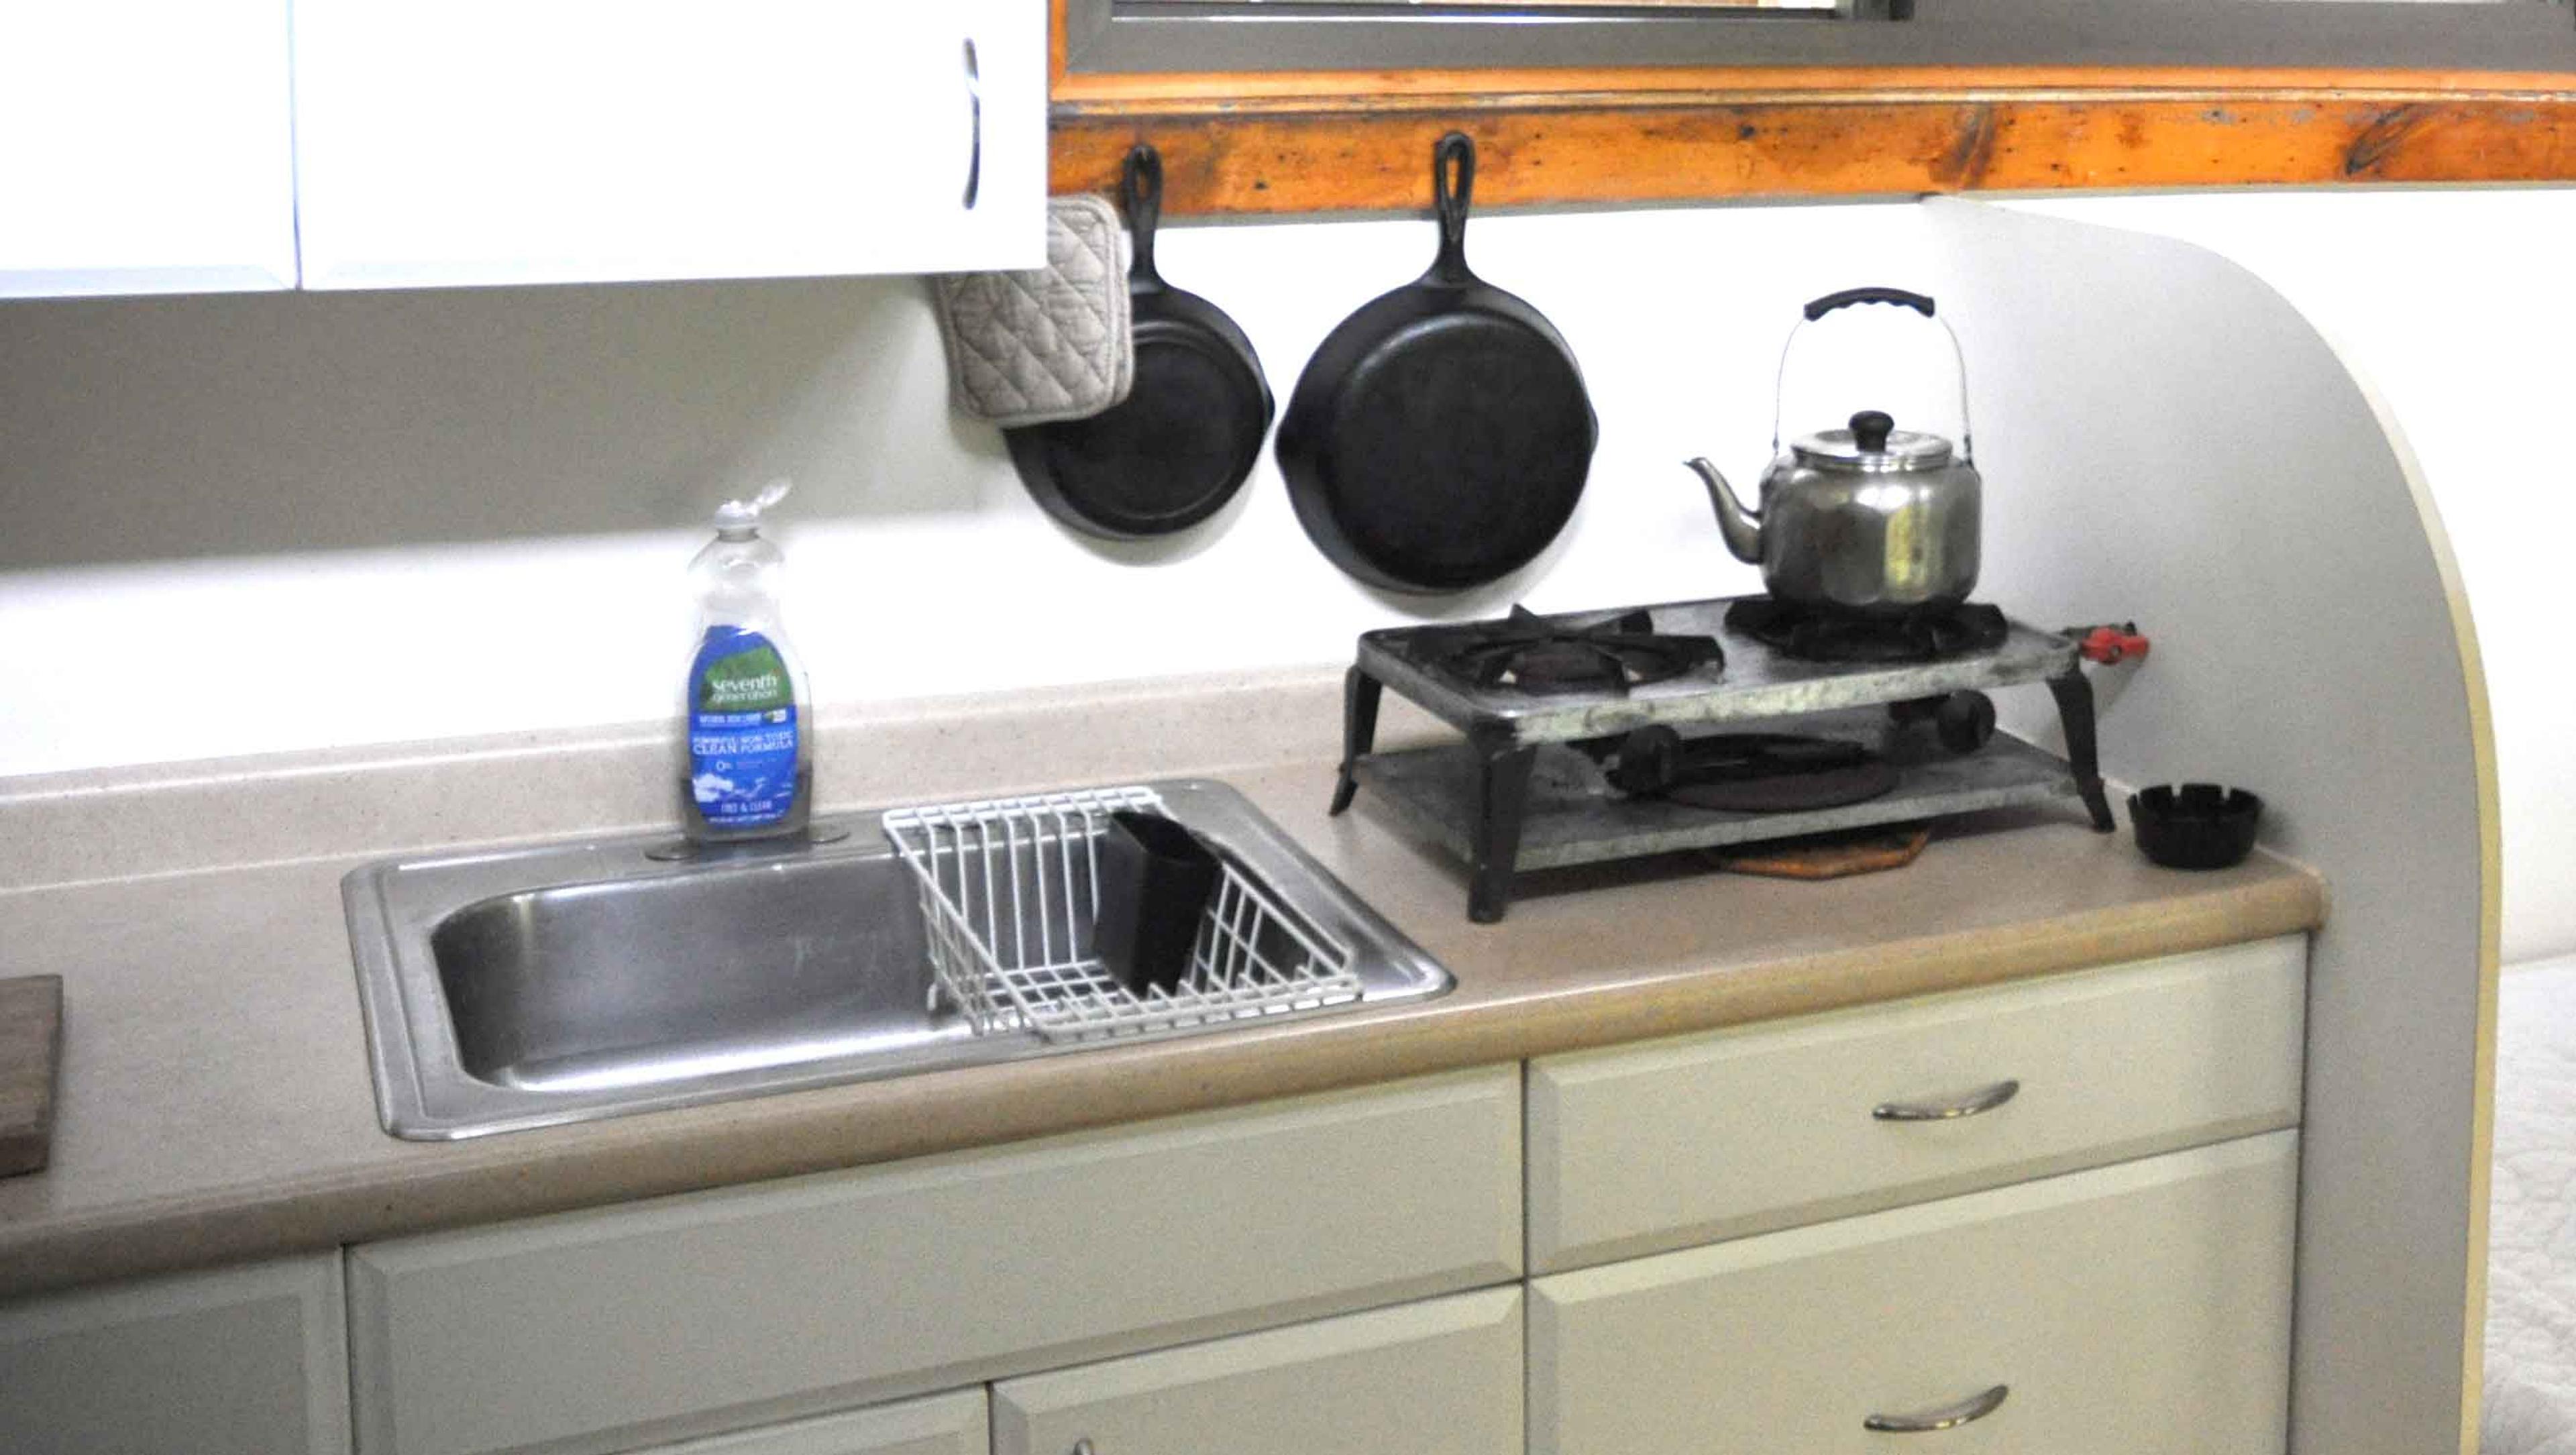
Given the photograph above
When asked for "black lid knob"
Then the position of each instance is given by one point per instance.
(1870, 430)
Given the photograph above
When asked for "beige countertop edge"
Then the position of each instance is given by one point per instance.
(848, 1126)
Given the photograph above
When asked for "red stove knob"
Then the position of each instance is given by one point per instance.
(2109, 644)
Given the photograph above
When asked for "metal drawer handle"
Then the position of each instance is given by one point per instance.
(1934, 1421)
(975, 120)
(1947, 1111)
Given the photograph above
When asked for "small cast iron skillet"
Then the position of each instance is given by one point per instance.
(1181, 443)
(1440, 437)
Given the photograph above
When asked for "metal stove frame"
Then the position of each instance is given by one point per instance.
(1511, 734)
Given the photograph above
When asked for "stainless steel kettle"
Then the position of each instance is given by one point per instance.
(1867, 520)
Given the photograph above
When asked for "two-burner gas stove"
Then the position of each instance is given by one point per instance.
(1613, 734)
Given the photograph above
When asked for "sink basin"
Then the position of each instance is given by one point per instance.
(642, 982)
(548, 985)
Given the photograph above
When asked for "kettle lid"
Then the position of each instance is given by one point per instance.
(1872, 442)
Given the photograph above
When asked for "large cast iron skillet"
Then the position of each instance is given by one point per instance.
(1440, 437)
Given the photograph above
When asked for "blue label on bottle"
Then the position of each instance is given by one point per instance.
(742, 730)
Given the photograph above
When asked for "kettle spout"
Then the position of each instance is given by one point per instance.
(1741, 527)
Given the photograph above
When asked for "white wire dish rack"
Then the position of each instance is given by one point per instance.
(1009, 892)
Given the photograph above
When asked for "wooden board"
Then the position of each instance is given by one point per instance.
(1832, 856)
(1332, 153)
(31, 1044)
(1305, 141)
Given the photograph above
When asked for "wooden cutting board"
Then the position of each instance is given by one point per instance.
(31, 1047)
(1830, 856)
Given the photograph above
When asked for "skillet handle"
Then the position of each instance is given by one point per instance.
(1140, 193)
(1453, 186)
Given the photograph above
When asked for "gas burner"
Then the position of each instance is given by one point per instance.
(1743, 772)
(1821, 636)
(1536, 654)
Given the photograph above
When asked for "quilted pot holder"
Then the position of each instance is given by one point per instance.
(1029, 348)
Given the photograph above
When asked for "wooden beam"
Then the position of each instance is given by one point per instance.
(1323, 141)
(1537, 152)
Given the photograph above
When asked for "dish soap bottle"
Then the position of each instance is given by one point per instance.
(751, 753)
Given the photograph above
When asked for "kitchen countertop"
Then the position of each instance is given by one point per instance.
(215, 1101)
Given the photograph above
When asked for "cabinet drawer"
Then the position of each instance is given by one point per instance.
(2143, 1308)
(246, 1359)
(944, 1424)
(1645, 1149)
(1435, 1378)
(607, 1329)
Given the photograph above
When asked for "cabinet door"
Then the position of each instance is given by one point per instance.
(146, 146)
(495, 141)
(1435, 1378)
(2142, 1308)
(245, 1359)
(943, 1424)
(616, 1327)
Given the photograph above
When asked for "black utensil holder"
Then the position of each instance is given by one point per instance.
(1155, 880)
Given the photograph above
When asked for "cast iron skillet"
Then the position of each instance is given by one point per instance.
(1190, 428)
(1440, 437)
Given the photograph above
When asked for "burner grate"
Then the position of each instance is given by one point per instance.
(1537, 655)
(1822, 636)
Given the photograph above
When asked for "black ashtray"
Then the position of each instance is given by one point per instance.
(2195, 825)
(1155, 879)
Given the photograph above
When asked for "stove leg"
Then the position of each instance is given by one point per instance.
(2074, 696)
(1360, 693)
(1502, 792)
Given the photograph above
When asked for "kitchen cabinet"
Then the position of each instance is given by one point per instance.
(1640, 1149)
(659, 1320)
(1346, 1270)
(1342, 1271)
(1840, 1265)
(1442, 1377)
(248, 1360)
(479, 141)
(2143, 1307)
(146, 147)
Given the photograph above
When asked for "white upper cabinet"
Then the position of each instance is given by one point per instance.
(146, 146)
(448, 142)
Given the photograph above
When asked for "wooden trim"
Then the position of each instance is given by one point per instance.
(1318, 141)
(1534, 156)
(2482, 1070)
(2482, 1067)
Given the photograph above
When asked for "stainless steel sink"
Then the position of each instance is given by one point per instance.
(539, 986)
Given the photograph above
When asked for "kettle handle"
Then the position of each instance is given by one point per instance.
(1921, 303)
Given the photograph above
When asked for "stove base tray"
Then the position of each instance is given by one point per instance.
(1573, 816)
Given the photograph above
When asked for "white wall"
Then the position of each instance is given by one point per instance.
(241, 524)
(471, 510)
